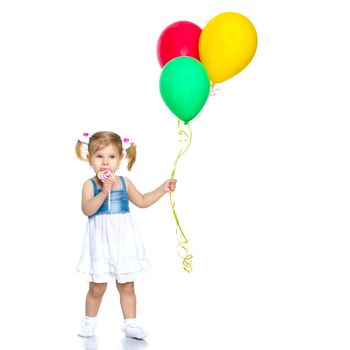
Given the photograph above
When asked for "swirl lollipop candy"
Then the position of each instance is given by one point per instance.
(104, 175)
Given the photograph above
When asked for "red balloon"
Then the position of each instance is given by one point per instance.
(178, 39)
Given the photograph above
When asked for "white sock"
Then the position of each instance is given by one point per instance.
(90, 319)
(128, 321)
(87, 327)
(133, 329)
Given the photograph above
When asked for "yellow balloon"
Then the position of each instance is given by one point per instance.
(226, 46)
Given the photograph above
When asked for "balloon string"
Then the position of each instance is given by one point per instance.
(185, 138)
(213, 89)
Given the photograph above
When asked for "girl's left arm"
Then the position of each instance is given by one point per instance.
(147, 199)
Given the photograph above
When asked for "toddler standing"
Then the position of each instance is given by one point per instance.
(112, 247)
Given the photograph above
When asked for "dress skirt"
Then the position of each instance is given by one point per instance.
(112, 249)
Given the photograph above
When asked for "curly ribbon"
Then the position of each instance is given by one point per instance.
(213, 89)
(185, 138)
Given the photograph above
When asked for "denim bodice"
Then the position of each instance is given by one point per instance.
(119, 202)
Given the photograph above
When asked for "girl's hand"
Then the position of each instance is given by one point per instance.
(170, 185)
(108, 185)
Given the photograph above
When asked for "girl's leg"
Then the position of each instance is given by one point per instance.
(131, 326)
(127, 299)
(92, 305)
(94, 298)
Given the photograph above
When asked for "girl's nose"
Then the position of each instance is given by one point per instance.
(105, 160)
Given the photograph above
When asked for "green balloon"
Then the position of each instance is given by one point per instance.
(184, 86)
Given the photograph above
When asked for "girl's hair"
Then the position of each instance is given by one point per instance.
(103, 139)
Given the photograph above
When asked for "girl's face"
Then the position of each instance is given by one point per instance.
(106, 158)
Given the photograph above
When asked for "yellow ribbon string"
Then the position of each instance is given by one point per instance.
(185, 138)
(213, 89)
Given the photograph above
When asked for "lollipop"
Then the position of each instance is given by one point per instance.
(104, 175)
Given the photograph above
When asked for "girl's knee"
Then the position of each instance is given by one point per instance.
(126, 288)
(97, 289)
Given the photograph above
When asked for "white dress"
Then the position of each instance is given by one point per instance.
(112, 247)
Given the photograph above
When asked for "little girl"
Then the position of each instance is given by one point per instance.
(112, 248)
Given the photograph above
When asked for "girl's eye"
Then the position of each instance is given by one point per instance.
(98, 156)
(113, 157)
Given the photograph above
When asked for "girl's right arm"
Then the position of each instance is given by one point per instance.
(89, 203)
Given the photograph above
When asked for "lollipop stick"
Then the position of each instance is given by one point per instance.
(104, 175)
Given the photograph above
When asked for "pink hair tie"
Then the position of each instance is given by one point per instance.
(84, 138)
(126, 142)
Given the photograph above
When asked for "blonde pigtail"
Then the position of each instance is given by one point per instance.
(80, 151)
(131, 155)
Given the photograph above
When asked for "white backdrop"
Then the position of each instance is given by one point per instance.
(263, 192)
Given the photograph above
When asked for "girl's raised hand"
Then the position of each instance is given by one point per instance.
(107, 185)
(170, 185)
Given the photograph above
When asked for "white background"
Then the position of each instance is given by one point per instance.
(263, 192)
